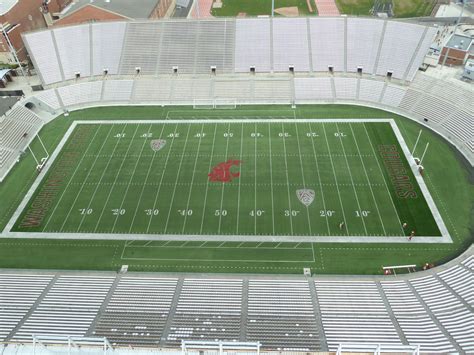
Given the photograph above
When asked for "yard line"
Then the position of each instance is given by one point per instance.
(177, 177)
(207, 186)
(161, 178)
(192, 178)
(87, 176)
(113, 184)
(240, 179)
(385, 182)
(352, 181)
(271, 177)
(335, 179)
(145, 183)
(287, 180)
(72, 176)
(368, 180)
(223, 183)
(319, 178)
(302, 175)
(130, 180)
(255, 182)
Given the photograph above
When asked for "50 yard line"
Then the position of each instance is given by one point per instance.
(223, 183)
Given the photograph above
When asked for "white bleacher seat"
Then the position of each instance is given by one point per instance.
(460, 125)
(207, 307)
(74, 50)
(42, 50)
(215, 46)
(363, 40)
(400, 43)
(141, 48)
(18, 293)
(118, 90)
(233, 89)
(139, 306)
(290, 44)
(107, 46)
(281, 315)
(354, 312)
(313, 89)
(69, 308)
(346, 88)
(433, 109)
(370, 90)
(152, 90)
(327, 43)
(252, 45)
(83, 93)
(393, 95)
(49, 97)
(272, 90)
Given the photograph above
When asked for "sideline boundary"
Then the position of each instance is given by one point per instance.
(445, 238)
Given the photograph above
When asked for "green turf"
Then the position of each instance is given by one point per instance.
(108, 179)
(259, 7)
(401, 8)
(446, 178)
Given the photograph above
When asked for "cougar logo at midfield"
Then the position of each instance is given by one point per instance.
(221, 172)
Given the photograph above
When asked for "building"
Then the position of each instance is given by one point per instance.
(469, 70)
(460, 48)
(81, 11)
(18, 16)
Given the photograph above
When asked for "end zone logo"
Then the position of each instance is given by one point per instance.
(221, 172)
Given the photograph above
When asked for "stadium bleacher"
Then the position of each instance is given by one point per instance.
(432, 309)
(232, 46)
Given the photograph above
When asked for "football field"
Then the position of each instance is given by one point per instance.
(230, 181)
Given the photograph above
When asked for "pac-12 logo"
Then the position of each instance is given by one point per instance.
(221, 172)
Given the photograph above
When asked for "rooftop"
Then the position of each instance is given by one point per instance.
(459, 42)
(126, 8)
(6, 5)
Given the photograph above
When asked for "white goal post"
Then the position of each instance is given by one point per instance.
(219, 104)
(221, 346)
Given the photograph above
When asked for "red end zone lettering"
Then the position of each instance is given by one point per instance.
(397, 171)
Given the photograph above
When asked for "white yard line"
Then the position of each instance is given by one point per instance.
(192, 178)
(368, 180)
(302, 175)
(335, 179)
(240, 178)
(271, 178)
(384, 181)
(131, 178)
(319, 178)
(87, 177)
(287, 179)
(207, 186)
(352, 180)
(255, 182)
(145, 183)
(177, 177)
(113, 184)
(72, 176)
(161, 178)
(223, 183)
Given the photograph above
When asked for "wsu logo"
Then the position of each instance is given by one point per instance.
(221, 172)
